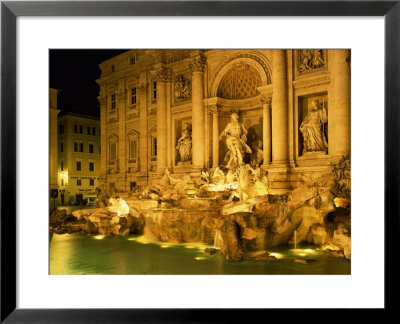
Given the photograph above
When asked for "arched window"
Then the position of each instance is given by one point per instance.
(112, 149)
(133, 147)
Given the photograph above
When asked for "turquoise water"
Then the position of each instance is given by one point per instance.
(81, 254)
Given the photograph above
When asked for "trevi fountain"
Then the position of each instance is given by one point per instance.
(217, 161)
(222, 221)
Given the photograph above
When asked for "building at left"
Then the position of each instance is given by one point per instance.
(78, 158)
(53, 113)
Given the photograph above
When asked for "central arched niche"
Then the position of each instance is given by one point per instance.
(240, 82)
(237, 86)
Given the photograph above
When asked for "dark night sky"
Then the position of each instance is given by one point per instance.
(75, 73)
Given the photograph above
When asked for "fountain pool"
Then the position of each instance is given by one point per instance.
(82, 254)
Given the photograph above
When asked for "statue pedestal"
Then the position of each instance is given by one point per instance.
(313, 155)
(186, 164)
(317, 158)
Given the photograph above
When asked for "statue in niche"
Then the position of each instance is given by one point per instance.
(312, 129)
(310, 60)
(184, 145)
(182, 88)
(236, 137)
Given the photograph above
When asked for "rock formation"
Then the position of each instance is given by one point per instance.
(240, 220)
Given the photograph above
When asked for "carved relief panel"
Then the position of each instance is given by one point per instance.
(182, 88)
(310, 60)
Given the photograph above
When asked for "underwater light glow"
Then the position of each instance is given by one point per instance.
(200, 258)
(98, 237)
(277, 255)
(140, 239)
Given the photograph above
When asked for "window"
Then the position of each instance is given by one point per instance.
(78, 165)
(154, 90)
(61, 129)
(91, 166)
(91, 182)
(133, 149)
(91, 130)
(90, 148)
(62, 182)
(112, 68)
(78, 182)
(61, 147)
(132, 60)
(113, 102)
(78, 147)
(61, 166)
(78, 129)
(133, 96)
(113, 151)
(154, 146)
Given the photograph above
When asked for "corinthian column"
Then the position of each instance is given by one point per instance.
(267, 144)
(280, 107)
(143, 89)
(161, 77)
(339, 116)
(215, 135)
(197, 65)
(103, 136)
(121, 96)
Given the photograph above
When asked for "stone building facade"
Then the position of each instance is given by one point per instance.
(167, 108)
(53, 112)
(78, 157)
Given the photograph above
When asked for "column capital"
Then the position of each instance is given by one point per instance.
(198, 64)
(162, 75)
(214, 109)
(265, 100)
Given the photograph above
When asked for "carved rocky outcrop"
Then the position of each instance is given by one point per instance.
(58, 216)
(179, 225)
(233, 246)
(238, 228)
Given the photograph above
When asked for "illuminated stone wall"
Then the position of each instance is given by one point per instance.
(148, 96)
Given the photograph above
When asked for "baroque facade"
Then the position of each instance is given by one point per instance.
(164, 109)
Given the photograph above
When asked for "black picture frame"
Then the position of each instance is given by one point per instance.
(10, 10)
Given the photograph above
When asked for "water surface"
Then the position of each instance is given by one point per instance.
(82, 254)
